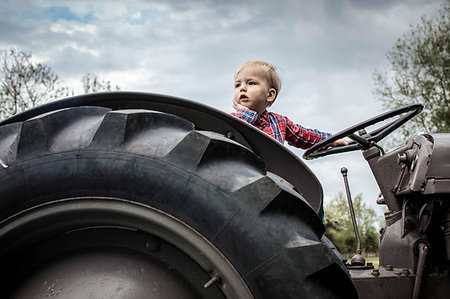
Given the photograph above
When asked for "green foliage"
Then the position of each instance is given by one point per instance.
(420, 73)
(339, 226)
(25, 84)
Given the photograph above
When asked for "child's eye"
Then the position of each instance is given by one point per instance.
(237, 85)
(252, 83)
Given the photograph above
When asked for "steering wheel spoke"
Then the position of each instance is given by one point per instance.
(367, 140)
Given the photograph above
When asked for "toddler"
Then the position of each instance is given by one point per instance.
(256, 86)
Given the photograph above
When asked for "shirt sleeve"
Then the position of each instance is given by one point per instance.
(247, 115)
(301, 137)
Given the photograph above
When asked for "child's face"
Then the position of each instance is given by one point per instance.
(252, 90)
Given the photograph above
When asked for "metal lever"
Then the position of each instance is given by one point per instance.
(357, 259)
(423, 251)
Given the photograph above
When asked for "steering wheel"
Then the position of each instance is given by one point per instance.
(366, 140)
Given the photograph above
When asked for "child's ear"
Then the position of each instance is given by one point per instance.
(271, 96)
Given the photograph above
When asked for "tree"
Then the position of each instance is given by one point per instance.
(339, 227)
(91, 83)
(25, 84)
(420, 73)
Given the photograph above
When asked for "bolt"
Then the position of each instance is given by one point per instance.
(362, 132)
(389, 268)
(229, 135)
(405, 272)
(152, 245)
(3, 164)
(215, 278)
(375, 272)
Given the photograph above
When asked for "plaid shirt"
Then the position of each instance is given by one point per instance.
(281, 128)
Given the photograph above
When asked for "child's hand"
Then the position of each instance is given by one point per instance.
(238, 106)
(339, 142)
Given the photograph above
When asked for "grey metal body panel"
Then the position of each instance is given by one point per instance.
(440, 162)
(428, 164)
(415, 244)
(397, 283)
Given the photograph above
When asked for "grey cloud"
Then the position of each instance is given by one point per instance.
(325, 49)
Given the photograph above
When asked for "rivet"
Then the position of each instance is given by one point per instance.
(229, 135)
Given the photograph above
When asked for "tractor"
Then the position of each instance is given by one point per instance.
(140, 195)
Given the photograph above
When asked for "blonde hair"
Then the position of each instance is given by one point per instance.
(270, 73)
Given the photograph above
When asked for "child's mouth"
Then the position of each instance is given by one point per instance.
(243, 97)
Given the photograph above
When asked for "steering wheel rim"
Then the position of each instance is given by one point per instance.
(368, 139)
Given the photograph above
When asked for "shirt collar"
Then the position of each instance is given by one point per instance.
(264, 118)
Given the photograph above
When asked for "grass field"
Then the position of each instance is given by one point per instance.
(373, 260)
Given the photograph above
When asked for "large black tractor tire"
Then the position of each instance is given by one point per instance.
(97, 203)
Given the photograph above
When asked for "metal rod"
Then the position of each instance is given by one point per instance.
(423, 250)
(352, 212)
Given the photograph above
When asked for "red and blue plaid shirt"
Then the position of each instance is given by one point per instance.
(282, 128)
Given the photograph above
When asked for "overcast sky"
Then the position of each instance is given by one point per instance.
(326, 52)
